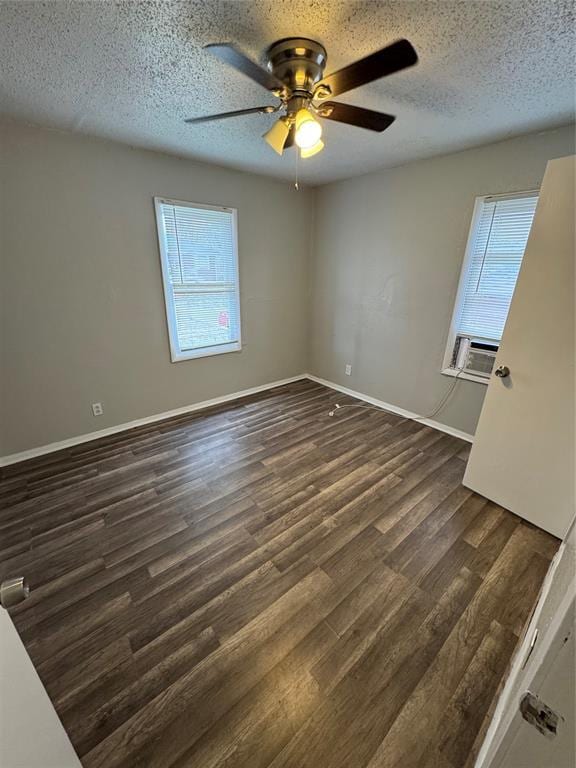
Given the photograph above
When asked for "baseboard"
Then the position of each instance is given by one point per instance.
(393, 409)
(42, 450)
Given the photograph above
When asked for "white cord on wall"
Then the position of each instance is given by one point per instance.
(431, 415)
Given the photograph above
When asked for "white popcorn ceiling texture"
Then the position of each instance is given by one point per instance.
(132, 71)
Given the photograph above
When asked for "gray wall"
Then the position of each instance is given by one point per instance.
(371, 278)
(387, 255)
(82, 309)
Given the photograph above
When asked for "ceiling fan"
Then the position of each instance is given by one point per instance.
(295, 75)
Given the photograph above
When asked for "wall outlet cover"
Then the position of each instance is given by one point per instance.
(348, 370)
(97, 409)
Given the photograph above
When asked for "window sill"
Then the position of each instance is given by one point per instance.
(219, 349)
(465, 376)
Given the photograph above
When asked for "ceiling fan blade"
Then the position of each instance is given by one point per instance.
(362, 118)
(393, 58)
(237, 113)
(231, 55)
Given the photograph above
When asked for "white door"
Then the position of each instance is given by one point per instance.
(523, 452)
(31, 735)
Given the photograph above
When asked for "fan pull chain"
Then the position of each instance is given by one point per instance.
(296, 187)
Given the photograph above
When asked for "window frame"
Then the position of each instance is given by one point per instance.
(479, 201)
(176, 354)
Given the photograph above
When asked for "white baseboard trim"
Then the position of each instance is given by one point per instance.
(394, 409)
(14, 458)
(42, 450)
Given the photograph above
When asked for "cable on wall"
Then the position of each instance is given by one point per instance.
(435, 412)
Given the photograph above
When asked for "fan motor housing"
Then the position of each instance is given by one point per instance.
(298, 62)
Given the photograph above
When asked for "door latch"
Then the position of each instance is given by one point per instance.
(539, 715)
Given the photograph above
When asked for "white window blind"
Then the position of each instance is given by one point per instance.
(495, 250)
(200, 270)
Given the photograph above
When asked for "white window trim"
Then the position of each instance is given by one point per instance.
(176, 354)
(446, 370)
(464, 374)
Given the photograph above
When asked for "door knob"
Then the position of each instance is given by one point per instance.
(502, 371)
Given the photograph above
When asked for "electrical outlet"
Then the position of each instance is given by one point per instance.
(348, 370)
(97, 409)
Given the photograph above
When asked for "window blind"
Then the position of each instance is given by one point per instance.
(497, 245)
(200, 268)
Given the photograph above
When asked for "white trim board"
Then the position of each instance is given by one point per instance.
(393, 409)
(42, 450)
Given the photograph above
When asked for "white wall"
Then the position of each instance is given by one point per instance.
(82, 309)
(387, 256)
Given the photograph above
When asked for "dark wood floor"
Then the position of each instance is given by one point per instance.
(263, 585)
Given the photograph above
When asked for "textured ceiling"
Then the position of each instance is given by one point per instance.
(132, 71)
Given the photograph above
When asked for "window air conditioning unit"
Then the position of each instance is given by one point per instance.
(475, 356)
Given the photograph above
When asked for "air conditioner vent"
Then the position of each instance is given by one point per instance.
(476, 356)
(480, 362)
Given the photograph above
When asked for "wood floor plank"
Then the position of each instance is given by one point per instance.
(151, 682)
(409, 738)
(367, 630)
(70, 685)
(262, 585)
(472, 698)
(264, 720)
(163, 728)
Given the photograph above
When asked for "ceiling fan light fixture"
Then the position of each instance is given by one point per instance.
(277, 135)
(295, 74)
(308, 129)
(311, 151)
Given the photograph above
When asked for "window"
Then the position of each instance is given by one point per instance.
(496, 243)
(199, 254)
